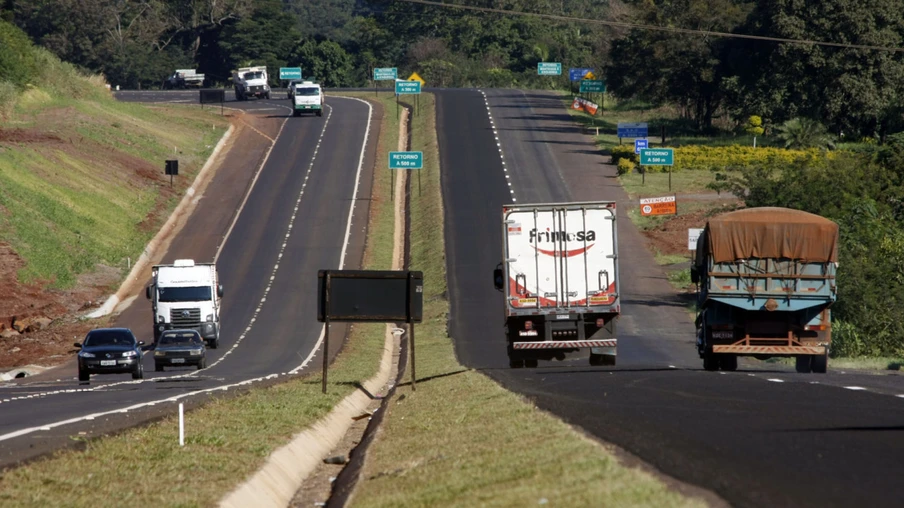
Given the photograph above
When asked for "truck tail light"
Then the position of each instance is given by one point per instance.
(600, 322)
(815, 327)
(528, 325)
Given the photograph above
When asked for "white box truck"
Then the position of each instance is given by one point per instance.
(560, 279)
(251, 82)
(307, 97)
(186, 296)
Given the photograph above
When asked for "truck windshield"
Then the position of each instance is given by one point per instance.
(307, 91)
(184, 294)
(254, 75)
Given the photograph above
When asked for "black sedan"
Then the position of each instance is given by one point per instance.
(109, 351)
(179, 348)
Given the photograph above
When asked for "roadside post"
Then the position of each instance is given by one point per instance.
(171, 169)
(658, 157)
(406, 160)
(374, 296)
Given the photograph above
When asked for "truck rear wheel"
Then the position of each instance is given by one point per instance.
(803, 364)
(710, 361)
(820, 363)
(728, 362)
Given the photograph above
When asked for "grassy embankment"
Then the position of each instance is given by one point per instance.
(463, 434)
(81, 179)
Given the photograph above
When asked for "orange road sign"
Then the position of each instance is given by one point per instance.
(666, 205)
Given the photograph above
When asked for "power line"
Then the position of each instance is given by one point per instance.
(621, 24)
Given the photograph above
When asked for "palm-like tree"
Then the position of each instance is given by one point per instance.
(799, 133)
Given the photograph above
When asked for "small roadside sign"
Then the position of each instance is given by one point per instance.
(407, 87)
(579, 73)
(593, 85)
(386, 73)
(406, 160)
(584, 104)
(666, 205)
(693, 234)
(290, 73)
(632, 130)
(415, 77)
(657, 157)
(549, 68)
(640, 144)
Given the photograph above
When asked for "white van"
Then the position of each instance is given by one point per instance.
(307, 98)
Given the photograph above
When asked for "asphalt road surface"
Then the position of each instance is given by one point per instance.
(311, 171)
(762, 436)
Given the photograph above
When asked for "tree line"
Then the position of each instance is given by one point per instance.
(712, 80)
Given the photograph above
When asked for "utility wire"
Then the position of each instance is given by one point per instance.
(621, 24)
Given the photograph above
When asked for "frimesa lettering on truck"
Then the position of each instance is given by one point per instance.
(558, 236)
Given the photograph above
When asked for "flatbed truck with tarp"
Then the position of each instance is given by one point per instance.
(765, 286)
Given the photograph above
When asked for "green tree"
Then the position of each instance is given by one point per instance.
(850, 90)
(799, 133)
(754, 127)
(326, 62)
(266, 37)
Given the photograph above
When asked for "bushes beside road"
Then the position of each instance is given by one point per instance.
(725, 158)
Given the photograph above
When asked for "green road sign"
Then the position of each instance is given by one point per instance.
(657, 157)
(386, 73)
(407, 87)
(406, 160)
(592, 85)
(549, 68)
(290, 73)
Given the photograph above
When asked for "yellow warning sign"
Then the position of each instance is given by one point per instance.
(414, 77)
(590, 75)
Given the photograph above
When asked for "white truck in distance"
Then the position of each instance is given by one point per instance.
(307, 97)
(186, 296)
(560, 279)
(184, 78)
(250, 82)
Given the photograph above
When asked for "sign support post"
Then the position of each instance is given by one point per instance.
(411, 332)
(326, 335)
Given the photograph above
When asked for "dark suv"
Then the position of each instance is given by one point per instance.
(109, 351)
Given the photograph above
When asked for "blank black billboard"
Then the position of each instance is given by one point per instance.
(213, 96)
(371, 295)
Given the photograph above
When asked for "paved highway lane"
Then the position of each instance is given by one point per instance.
(317, 169)
(764, 436)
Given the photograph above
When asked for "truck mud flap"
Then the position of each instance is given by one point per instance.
(568, 344)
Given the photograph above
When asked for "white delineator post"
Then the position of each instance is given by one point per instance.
(181, 426)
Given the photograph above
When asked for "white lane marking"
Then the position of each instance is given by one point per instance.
(855, 388)
(486, 102)
(900, 396)
(348, 227)
(775, 380)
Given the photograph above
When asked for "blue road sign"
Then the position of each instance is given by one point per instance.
(632, 130)
(640, 144)
(578, 73)
(290, 73)
(406, 160)
(407, 87)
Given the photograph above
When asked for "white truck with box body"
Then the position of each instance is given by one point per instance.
(186, 296)
(307, 97)
(560, 279)
(251, 82)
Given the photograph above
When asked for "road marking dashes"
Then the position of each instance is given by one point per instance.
(508, 181)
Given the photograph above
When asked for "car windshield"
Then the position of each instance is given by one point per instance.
(254, 75)
(184, 294)
(109, 338)
(180, 339)
(309, 91)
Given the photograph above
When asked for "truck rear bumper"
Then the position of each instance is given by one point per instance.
(770, 350)
(565, 344)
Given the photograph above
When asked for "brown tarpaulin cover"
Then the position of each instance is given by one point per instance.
(771, 232)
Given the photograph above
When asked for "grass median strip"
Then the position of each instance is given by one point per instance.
(463, 440)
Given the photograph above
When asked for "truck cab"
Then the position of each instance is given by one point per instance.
(186, 295)
(307, 97)
(251, 82)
